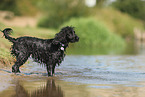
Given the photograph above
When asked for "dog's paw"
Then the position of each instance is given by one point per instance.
(15, 69)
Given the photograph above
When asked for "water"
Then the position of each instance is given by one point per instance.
(125, 70)
(79, 76)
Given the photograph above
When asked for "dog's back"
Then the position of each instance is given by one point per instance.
(40, 49)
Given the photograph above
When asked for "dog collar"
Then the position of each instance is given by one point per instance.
(62, 47)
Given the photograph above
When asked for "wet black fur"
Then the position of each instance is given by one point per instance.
(50, 52)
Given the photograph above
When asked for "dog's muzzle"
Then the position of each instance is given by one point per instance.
(77, 38)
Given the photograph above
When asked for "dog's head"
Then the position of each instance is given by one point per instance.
(68, 34)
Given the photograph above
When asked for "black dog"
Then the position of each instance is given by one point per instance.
(47, 51)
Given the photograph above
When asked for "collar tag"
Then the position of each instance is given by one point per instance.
(62, 48)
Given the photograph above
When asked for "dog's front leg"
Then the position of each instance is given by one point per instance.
(15, 69)
(49, 70)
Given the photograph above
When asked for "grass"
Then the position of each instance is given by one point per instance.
(5, 58)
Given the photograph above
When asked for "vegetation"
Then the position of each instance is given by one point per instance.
(5, 57)
(93, 33)
(118, 22)
(135, 8)
(19, 7)
(58, 11)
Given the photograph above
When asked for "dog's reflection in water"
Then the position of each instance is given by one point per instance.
(49, 90)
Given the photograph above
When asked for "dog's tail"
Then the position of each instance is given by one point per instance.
(7, 32)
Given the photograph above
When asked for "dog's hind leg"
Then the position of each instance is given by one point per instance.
(21, 59)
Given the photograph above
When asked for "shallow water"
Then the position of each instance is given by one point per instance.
(79, 76)
(104, 69)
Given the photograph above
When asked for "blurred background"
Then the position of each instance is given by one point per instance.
(109, 59)
(104, 26)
